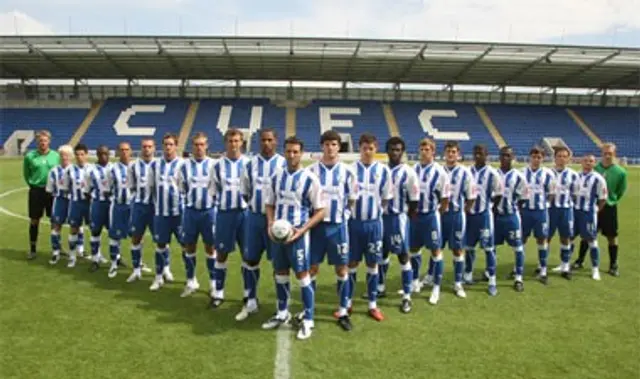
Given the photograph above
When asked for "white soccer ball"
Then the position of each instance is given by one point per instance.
(281, 230)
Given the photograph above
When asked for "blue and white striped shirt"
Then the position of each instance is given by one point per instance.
(118, 183)
(98, 184)
(564, 190)
(487, 184)
(338, 187)
(256, 178)
(163, 177)
(195, 181)
(461, 187)
(514, 189)
(139, 184)
(540, 184)
(434, 186)
(55, 182)
(294, 195)
(226, 183)
(405, 188)
(76, 181)
(373, 187)
(590, 189)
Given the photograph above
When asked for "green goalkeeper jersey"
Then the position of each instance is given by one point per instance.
(616, 178)
(36, 167)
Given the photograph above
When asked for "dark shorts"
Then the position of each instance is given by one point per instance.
(40, 202)
(608, 221)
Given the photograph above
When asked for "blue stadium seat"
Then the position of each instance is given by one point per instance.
(62, 123)
(618, 125)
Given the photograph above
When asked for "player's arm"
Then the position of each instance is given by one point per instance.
(602, 193)
(270, 204)
(214, 179)
(182, 179)
(315, 197)
(413, 192)
(25, 169)
(550, 187)
(386, 189)
(444, 191)
(522, 192)
(131, 179)
(88, 182)
(51, 182)
(497, 190)
(351, 190)
(621, 188)
(245, 182)
(470, 193)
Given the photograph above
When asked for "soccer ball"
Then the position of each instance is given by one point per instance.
(281, 230)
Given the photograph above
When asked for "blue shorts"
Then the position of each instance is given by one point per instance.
(536, 221)
(78, 213)
(198, 222)
(59, 210)
(508, 228)
(256, 237)
(480, 230)
(426, 231)
(332, 240)
(395, 238)
(119, 218)
(166, 226)
(99, 215)
(293, 256)
(453, 230)
(141, 219)
(561, 219)
(366, 241)
(230, 230)
(586, 224)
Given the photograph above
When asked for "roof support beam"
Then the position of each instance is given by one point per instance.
(561, 82)
(518, 74)
(35, 50)
(106, 56)
(353, 57)
(172, 62)
(232, 61)
(470, 65)
(412, 62)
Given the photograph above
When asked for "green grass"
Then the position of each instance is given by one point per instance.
(68, 323)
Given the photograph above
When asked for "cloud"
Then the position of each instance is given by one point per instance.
(18, 23)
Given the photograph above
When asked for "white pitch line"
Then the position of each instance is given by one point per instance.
(282, 361)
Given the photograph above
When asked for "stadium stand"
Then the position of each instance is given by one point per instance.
(618, 125)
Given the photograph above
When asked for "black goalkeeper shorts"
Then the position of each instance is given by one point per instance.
(608, 221)
(40, 202)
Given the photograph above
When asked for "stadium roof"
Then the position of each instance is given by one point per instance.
(314, 59)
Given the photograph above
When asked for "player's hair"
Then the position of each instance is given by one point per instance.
(81, 147)
(147, 139)
(452, 145)
(608, 145)
(367, 138)
(124, 142)
(43, 133)
(428, 142)
(172, 136)
(233, 132)
(293, 140)
(199, 135)
(536, 150)
(268, 130)
(102, 147)
(65, 149)
(481, 146)
(558, 149)
(505, 148)
(330, 135)
(395, 141)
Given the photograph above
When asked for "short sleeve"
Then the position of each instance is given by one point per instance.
(443, 185)
(51, 182)
(412, 185)
(270, 191)
(386, 190)
(315, 193)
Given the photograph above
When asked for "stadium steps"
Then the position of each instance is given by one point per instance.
(290, 121)
(491, 127)
(585, 128)
(390, 118)
(84, 125)
(187, 124)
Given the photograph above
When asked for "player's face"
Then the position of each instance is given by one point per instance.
(562, 158)
(451, 155)
(608, 153)
(103, 155)
(395, 152)
(506, 157)
(81, 157)
(234, 144)
(367, 152)
(43, 143)
(330, 149)
(535, 160)
(268, 143)
(65, 159)
(124, 152)
(480, 156)
(293, 154)
(588, 162)
(148, 148)
(169, 147)
(426, 153)
(200, 146)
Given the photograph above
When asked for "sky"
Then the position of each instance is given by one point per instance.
(583, 22)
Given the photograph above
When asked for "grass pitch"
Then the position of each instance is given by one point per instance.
(57, 322)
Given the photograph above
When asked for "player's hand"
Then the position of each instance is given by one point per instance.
(269, 233)
(297, 233)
